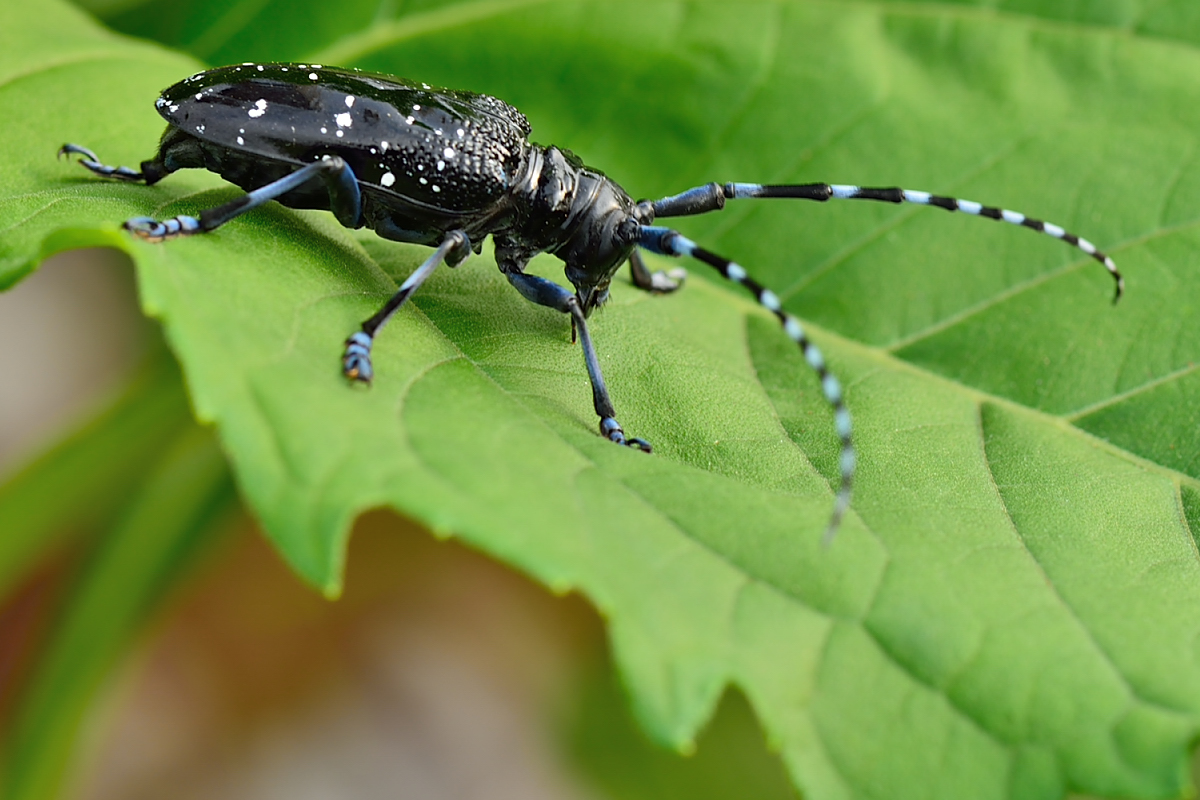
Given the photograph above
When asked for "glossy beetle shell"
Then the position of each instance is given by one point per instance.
(452, 150)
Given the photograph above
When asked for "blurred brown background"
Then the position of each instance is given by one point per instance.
(439, 674)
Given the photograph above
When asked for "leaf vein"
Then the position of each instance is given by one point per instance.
(1053, 588)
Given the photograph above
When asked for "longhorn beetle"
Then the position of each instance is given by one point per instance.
(446, 168)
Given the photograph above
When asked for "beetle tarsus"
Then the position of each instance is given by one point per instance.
(662, 281)
(356, 360)
(92, 162)
(611, 430)
(667, 280)
(151, 230)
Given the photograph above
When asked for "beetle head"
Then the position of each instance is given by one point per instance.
(603, 240)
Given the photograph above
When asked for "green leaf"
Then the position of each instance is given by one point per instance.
(231, 31)
(82, 481)
(609, 751)
(183, 504)
(1166, 19)
(1010, 609)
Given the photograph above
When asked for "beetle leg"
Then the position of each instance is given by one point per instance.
(660, 281)
(356, 359)
(712, 197)
(550, 294)
(344, 200)
(92, 162)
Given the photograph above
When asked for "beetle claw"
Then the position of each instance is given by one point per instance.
(69, 148)
(667, 280)
(92, 162)
(611, 430)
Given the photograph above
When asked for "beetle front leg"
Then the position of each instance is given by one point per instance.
(660, 281)
(344, 200)
(550, 294)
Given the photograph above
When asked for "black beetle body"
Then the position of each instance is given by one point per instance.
(427, 161)
(446, 168)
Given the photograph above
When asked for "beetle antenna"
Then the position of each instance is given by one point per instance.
(712, 197)
(672, 243)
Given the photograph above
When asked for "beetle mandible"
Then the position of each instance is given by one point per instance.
(447, 168)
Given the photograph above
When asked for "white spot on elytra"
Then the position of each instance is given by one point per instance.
(383, 146)
(240, 140)
(416, 108)
(312, 76)
(343, 120)
(437, 188)
(199, 95)
(324, 130)
(423, 181)
(409, 120)
(316, 66)
(461, 133)
(349, 101)
(339, 132)
(388, 179)
(260, 108)
(448, 152)
(284, 69)
(441, 165)
(173, 108)
(260, 67)
(373, 151)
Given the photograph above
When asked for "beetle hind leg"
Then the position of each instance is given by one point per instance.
(92, 162)
(344, 200)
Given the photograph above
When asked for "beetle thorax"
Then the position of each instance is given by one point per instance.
(578, 214)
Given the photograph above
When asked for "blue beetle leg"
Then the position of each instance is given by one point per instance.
(712, 197)
(356, 359)
(344, 199)
(153, 230)
(92, 162)
(660, 281)
(550, 294)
